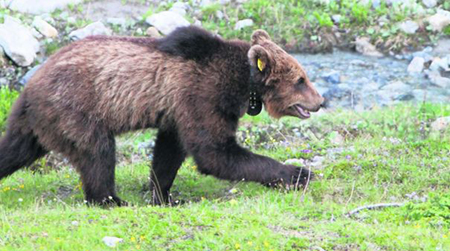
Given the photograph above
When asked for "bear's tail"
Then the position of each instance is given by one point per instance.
(18, 147)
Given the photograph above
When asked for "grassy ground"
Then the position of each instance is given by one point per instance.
(388, 155)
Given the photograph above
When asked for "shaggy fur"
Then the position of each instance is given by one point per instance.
(192, 85)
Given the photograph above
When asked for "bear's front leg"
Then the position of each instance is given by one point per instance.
(231, 162)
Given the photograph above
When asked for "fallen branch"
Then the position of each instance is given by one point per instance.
(371, 207)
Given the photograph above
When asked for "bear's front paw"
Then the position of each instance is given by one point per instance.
(292, 178)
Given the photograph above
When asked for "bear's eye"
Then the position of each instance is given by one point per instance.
(301, 81)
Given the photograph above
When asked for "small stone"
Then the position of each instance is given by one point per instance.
(198, 23)
(364, 47)
(167, 21)
(439, 20)
(336, 18)
(241, 24)
(75, 223)
(333, 77)
(44, 28)
(179, 9)
(416, 65)
(295, 162)
(153, 32)
(336, 138)
(409, 27)
(440, 124)
(219, 15)
(112, 241)
(97, 28)
(18, 42)
(429, 3)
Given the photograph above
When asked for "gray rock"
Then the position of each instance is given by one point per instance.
(39, 7)
(44, 28)
(425, 54)
(440, 124)
(436, 79)
(364, 47)
(333, 77)
(317, 162)
(241, 24)
(429, 3)
(18, 42)
(439, 20)
(416, 65)
(2, 57)
(167, 21)
(97, 28)
(396, 87)
(24, 80)
(180, 8)
(409, 27)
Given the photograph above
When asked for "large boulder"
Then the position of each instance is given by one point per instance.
(18, 42)
(167, 21)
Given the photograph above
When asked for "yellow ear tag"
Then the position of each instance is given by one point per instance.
(261, 65)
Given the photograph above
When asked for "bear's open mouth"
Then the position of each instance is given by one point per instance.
(302, 112)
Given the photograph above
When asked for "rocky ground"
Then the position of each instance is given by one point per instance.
(358, 80)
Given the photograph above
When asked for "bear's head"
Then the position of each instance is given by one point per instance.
(285, 87)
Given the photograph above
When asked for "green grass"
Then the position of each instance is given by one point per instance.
(387, 155)
(7, 98)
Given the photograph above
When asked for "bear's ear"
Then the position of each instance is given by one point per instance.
(259, 36)
(260, 62)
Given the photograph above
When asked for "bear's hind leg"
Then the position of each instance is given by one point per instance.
(168, 156)
(96, 166)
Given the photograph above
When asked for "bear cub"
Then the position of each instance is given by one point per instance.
(191, 85)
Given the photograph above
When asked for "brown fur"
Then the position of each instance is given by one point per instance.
(99, 87)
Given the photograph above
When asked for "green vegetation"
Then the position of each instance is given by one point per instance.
(7, 98)
(387, 155)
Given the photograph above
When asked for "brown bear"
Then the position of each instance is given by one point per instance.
(191, 85)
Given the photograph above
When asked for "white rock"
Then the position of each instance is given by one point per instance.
(198, 23)
(295, 162)
(120, 21)
(429, 3)
(409, 27)
(180, 11)
(97, 28)
(167, 21)
(243, 23)
(219, 15)
(436, 78)
(317, 162)
(18, 42)
(439, 20)
(416, 65)
(112, 241)
(440, 124)
(40, 6)
(44, 28)
(364, 47)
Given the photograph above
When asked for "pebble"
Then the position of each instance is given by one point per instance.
(364, 47)
(439, 20)
(440, 124)
(111, 241)
(409, 27)
(153, 32)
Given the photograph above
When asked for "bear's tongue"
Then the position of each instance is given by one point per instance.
(304, 113)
